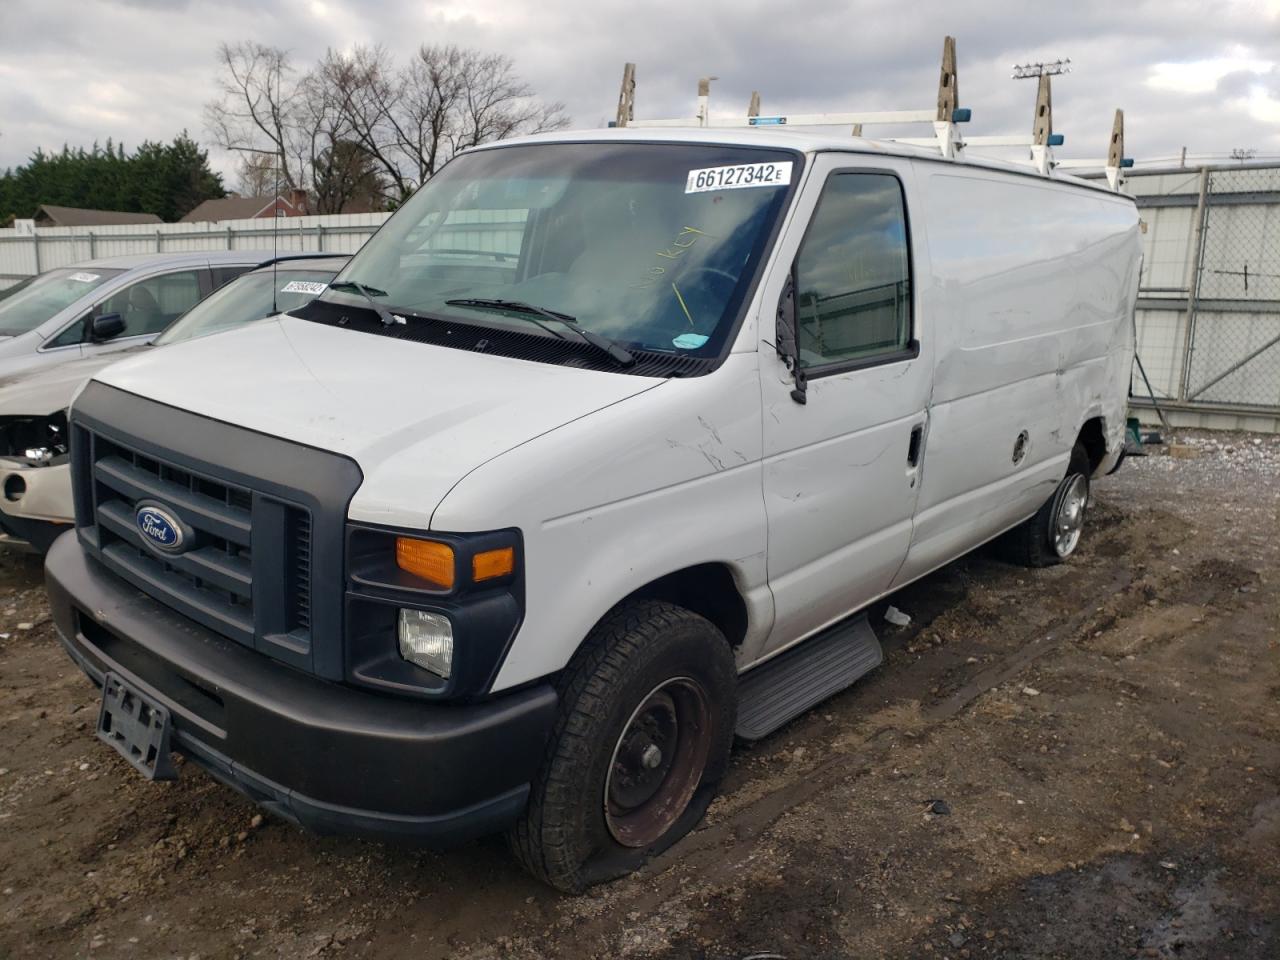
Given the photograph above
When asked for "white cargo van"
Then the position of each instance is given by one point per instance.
(592, 457)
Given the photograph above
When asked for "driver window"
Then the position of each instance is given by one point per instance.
(150, 305)
(853, 274)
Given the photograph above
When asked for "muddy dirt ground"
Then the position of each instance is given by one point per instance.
(1077, 762)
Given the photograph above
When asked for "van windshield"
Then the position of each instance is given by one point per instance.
(652, 245)
(46, 295)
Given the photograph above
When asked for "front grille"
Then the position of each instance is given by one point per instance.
(300, 569)
(213, 580)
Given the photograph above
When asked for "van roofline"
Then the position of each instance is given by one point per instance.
(804, 142)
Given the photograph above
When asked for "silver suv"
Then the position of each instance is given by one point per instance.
(100, 306)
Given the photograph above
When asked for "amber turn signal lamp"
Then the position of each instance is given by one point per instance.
(493, 563)
(427, 559)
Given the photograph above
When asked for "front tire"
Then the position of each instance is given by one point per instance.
(1053, 534)
(640, 745)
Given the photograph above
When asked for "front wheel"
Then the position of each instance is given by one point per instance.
(1054, 532)
(641, 742)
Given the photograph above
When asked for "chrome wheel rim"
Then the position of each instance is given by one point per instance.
(1068, 519)
(657, 763)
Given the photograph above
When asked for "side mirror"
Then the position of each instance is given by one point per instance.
(106, 327)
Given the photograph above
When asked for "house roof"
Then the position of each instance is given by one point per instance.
(231, 208)
(80, 217)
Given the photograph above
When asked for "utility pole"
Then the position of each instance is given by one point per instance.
(1030, 71)
(1042, 127)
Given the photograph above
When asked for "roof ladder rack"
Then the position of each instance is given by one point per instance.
(1116, 160)
(944, 118)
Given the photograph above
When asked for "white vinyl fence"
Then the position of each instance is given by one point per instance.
(22, 255)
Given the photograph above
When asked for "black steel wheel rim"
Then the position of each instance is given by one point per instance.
(657, 762)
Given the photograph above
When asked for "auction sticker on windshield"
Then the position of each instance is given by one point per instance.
(304, 286)
(738, 176)
(83, 277)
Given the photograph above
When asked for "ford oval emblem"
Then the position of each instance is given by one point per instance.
(160, 528)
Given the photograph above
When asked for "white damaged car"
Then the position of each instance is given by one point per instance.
(35, 479)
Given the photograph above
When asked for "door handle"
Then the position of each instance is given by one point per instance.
(913, 447)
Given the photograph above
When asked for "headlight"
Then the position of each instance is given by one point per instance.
(431, 613)
(38, 440)
(426, 639)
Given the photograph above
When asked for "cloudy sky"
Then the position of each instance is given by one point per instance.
(1205, 75)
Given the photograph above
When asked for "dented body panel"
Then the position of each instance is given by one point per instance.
(1031, 287)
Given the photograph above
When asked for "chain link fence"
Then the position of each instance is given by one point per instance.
(1235, 326)
(1209, 304)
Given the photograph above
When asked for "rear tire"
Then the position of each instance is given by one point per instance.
(1054, 532)
(642, 740)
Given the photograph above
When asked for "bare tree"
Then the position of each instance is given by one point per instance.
(348, 179)
(412, 120)
(250, 116)
(460, 98)
(498, 105)
(406, 121)
(336, 167)
(256, 175)
(369, 90)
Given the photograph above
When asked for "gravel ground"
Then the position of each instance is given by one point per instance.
(1076, 762)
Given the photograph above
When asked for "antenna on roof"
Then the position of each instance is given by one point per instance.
(275, 204)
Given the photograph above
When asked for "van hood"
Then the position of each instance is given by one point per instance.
(47, 390)
(415, 417)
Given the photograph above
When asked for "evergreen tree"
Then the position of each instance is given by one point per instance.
(168, 180)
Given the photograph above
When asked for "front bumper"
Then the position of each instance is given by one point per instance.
(332, 758)
(42, 511)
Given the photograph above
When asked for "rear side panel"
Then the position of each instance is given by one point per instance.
(1032, 292)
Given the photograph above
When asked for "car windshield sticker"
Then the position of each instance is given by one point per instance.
(689, 341)
(83, 277)
(739, 176)
(304, 286)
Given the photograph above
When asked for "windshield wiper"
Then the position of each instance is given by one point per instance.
(602, 343)
(386, 316)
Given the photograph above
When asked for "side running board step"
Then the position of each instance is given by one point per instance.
(783, 688)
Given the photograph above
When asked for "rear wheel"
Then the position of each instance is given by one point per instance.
(1054, 532)
(641, 743)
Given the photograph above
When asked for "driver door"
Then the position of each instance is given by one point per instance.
(841, 471)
